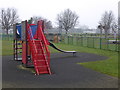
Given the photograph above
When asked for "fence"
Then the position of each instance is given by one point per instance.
(91, 42)
(6, 37)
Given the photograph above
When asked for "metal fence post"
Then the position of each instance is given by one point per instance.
(93, 42)
(81, 40)
(108, 44)
(116, 46)
(68, 40)
(87, 41)
(100, 42)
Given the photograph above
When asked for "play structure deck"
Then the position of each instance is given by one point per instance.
(29, 39)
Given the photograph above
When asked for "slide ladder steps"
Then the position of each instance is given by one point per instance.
(40, 58)
(18, 48)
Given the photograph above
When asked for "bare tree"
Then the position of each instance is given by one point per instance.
(100, 27)
(67, 20)
(115, 29)
(48, 23)
(119, 24)
(35, 19)
(106, 22)
(7, 18)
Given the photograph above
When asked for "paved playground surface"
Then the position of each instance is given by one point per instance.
(66, 73)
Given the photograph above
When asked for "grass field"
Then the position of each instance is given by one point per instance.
(7, 47)
(109, 66)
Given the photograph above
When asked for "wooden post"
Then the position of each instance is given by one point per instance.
(25, 43)
(14, 42)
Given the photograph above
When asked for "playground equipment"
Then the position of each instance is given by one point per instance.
(30, 39)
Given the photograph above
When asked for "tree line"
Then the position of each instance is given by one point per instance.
(65, 20)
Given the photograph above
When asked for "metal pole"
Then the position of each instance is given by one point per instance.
(100, 42)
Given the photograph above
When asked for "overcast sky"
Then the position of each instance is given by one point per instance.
(89, 11)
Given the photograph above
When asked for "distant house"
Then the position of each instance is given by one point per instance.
(53, 31)
(92, 31)
(75, 30)
(62, 31)
(110, 31)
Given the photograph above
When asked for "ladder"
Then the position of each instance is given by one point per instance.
(40, 57)
(17, 45)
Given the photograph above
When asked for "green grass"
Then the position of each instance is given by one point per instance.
(109, 66)
(7, 47)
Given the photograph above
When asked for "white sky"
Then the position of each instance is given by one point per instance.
(89, 11)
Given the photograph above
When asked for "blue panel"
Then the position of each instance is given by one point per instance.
(34, 29)
(19, 29)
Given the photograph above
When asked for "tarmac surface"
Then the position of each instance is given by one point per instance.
(66, 73)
